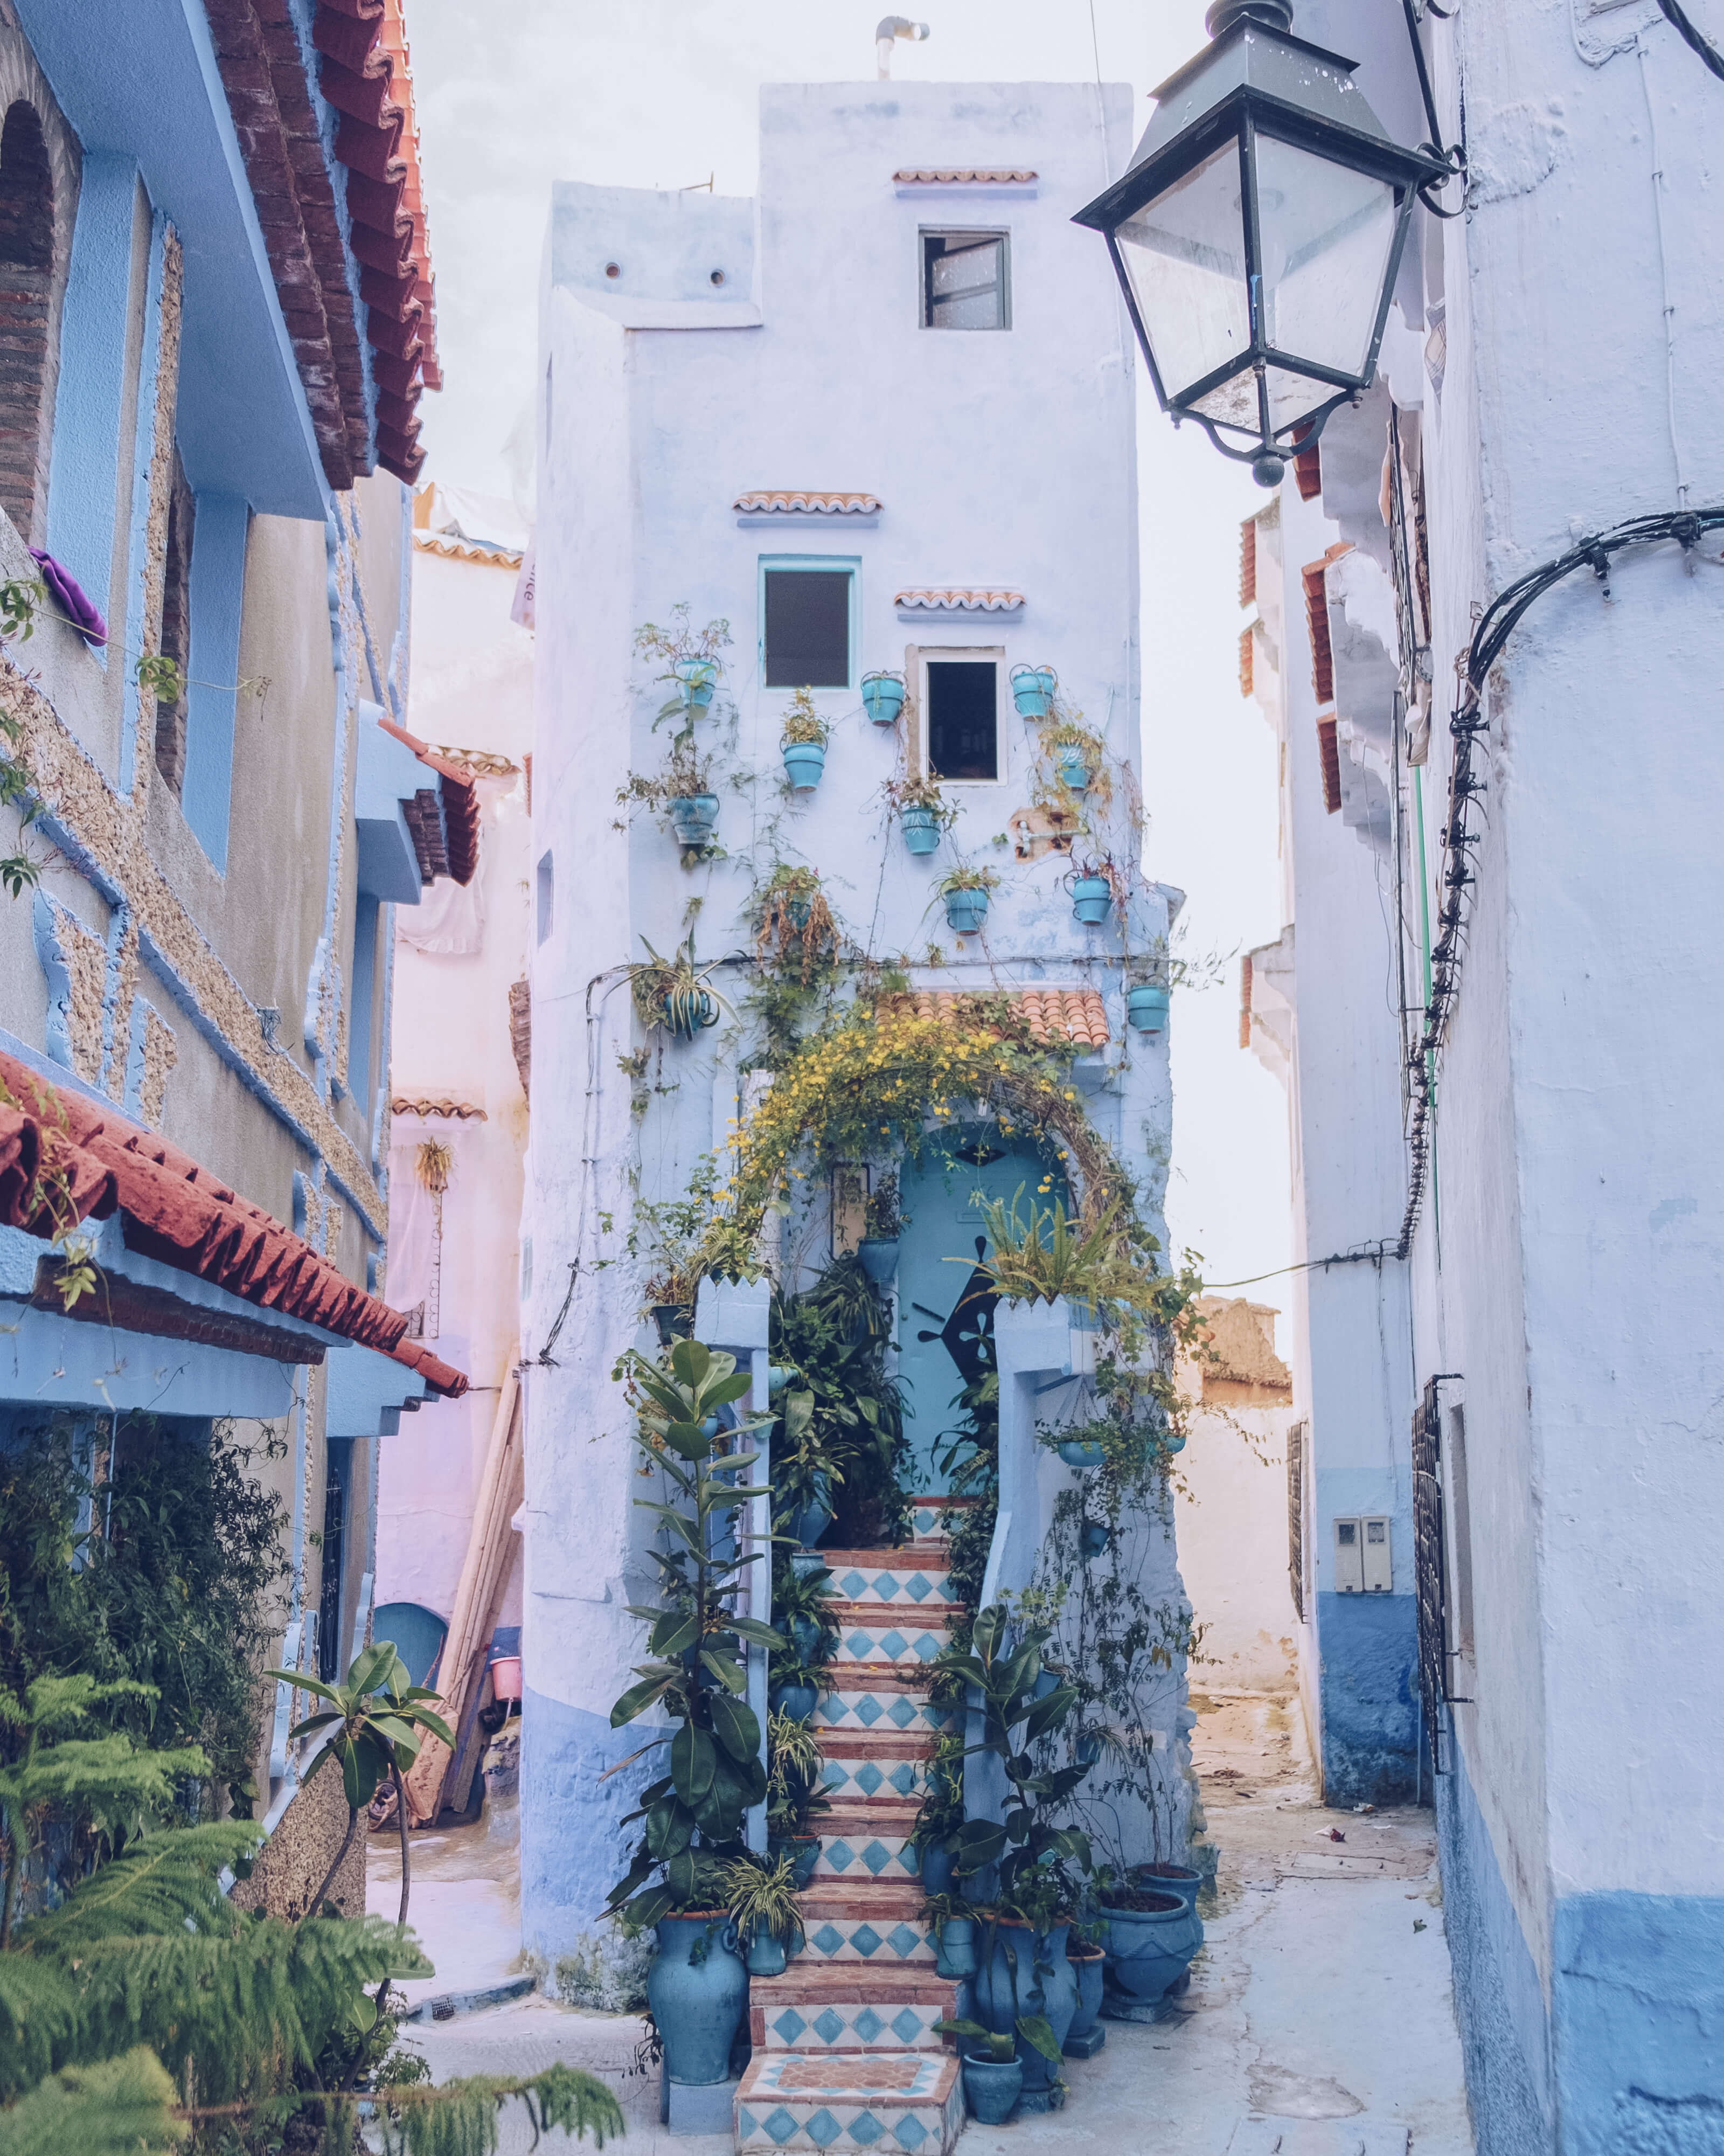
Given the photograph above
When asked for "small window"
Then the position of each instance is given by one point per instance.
(963, 717)
(964, 281)
(546, 895)
(175, 625)
(808, 629)
(26, 278)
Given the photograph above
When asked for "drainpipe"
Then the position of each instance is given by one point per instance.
(891, 27)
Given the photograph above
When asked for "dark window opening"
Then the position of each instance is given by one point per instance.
(26, 277)
(963, 718)
(808, 629)
(175, 625)
(363, 979)
(337, 1475)
(964, 281)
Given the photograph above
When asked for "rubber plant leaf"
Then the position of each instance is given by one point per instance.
(693, 1762)
(737, 1726)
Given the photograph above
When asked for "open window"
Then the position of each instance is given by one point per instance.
(965, 281)
(808, 623)
(958, 734)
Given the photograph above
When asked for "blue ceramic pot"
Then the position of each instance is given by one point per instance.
(816, 1516)
(1032, 690)
(1087, 1962)
(991, 2087)
(920, 828)
(806, 1634)
(1148, 1949)
(955, 1949)
(1093, 1538)
(1146, 1009)
(935, 1865)
(797, 1700)
(1042, 1983)
(966, 910)
(803, 1850)
(1091, 900)
(799, 910)
(698, 678)
(693, 817)
(1074, 772)
(803, 763)
(882, 697)
(698, 1989)
(879, 1255)
(1077, 1454)
(766, 1955)
(1170, 1879)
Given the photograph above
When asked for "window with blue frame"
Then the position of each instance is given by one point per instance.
(807, 624)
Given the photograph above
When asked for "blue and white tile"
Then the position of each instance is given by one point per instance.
(912, 1713)
(888, 1940)
(857, 1856)
(901, 1586)
(875, 1777)
(905, 1645)
(782, 2104)
(852, 2026)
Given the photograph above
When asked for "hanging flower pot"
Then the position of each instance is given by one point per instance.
(1091, 900)
(1146, 1009)
(698, 678)
(883, 697)
(1074, 772)
(1094, 1537)
(1032, 691)
(920, 828)
(693, 817)
(803, 763)
(686, 1011)
(1079, 1452)
(879, 1257)
(965, 909)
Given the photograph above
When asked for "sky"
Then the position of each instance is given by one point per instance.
(512, 94)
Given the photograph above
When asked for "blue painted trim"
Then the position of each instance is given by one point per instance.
(139, 78)
(49, 1361)
(142, 469)
(45, 914)
(362, 1389)
(573, 1844)
(218, 536)
(118, 922)
(83, 475)
(1367, 1647)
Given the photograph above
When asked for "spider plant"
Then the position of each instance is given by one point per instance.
(762, 1897)
(674, 992)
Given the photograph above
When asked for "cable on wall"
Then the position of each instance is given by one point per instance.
(1695, 39)
(1496, 626)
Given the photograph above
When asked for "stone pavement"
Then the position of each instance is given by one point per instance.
(1319, 2021)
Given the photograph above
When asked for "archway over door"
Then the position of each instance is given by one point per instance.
(945, 1305)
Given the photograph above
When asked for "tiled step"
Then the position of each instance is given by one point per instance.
(907, 2102)
(884, 1764)
(873, 1638)
(888, 1699)
(901, 1578)
(932, 1518)
(851, 2007)
(868, 1841)
(866, 1921)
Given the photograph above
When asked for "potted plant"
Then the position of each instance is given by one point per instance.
(952, 1920)
(803, 740)
(1049, 1255)
(992, 2074)
(804, 1472)
(1146, 1005)
(941, 1814)
(674, 992)
(1033, 688)
(923, 812)
(1091, 887)
(761, 1899)
(689, 802)
(965, 892)
(1086, 2037)
(795, 927)
(691, 659)
(882, 1227)
(693, 1815)
(1024, 1982)
(883, 697)
(1151, 1939)
(698, 678)
(795, 1798)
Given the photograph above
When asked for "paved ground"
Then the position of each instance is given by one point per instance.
(1319, 2021)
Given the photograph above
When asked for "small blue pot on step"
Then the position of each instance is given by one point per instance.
(698, 1989)
(796, 1700)
(991, 2088)
(1085, 2038)
(766, 1955)
(816, 1516)
(935, 1865)
(955, 1949)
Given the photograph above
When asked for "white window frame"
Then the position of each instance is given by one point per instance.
(917, 658)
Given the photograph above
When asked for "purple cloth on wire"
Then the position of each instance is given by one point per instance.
(68, 592)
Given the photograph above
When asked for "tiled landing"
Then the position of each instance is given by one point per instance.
(911, 2101)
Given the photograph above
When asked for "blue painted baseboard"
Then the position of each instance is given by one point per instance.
(1367, 1644)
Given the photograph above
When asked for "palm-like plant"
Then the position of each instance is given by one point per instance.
(693, 1815)
(1049, 1253)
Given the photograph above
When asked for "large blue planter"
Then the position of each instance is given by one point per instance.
(965, 910)
(1091, 900)
(814, 1519)
(882, 697)
(693, 817)
(803, 763)
(1043, 1983)
(1147, 1950)
(698, 1989)
(879, 1255)
(1146, 1009)
(920, 828)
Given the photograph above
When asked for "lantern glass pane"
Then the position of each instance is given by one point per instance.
(1327, 234)
(1185, 254)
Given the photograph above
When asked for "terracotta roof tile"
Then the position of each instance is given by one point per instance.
(962, 599)
(461, 1110)
(948, 176)
(1076, 1015)
(784, 501)
(179, 1214)
(466, 550)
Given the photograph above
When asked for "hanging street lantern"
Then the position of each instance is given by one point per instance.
(1257, 234)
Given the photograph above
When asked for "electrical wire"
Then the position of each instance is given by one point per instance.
(1695, 39)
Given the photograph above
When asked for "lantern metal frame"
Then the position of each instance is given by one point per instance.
(1251, 57)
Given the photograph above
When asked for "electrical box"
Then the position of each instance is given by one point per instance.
(1378, 1578)
(1349, 1558)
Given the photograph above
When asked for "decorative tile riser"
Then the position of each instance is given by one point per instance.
(850, 2025)
(905, 2104)
(886, 1778)
(883, 1711)
(900, 1586)
(854, 1856)
(892, 1941)
(929, 1523)
(922, 2130)
(911, 1647)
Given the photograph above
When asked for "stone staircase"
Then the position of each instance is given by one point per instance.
(846, 2056)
